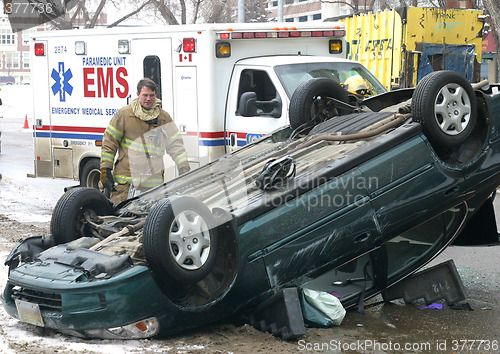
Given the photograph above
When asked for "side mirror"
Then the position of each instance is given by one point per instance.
(248, 104)
(276, 112)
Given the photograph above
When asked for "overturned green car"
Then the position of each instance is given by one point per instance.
(357, 194)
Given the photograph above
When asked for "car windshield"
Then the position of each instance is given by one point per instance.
(352, 76)
(229, 183)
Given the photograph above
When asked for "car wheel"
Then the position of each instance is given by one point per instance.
(180, 241)
(446, 106)
(311, 101)
(91, 174)
(69, 222)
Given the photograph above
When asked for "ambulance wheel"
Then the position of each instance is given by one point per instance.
(73, 210)
(91, 174)
(446, 106)
(180, 241)
(312, 101)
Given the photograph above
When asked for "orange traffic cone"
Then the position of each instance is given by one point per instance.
(26, 122)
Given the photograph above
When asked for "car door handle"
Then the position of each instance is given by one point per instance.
(361, 238)
(452, 191)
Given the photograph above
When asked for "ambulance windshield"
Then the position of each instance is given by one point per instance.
(342, 72)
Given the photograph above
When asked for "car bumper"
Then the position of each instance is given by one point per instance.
(89, 308)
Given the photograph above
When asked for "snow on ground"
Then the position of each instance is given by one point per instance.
(24, 199)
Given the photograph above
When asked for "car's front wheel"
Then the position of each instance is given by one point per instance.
(180, 241)
(446, 106)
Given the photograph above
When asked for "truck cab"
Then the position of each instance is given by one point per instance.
(261, 89)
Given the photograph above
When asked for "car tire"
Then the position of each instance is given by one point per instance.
(68, 223)
(446, 106)
(313, 95)
(180, 241)
(91, 174)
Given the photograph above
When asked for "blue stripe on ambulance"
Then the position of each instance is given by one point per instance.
(68, 136)
(220, 142)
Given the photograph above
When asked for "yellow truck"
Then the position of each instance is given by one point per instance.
(400, 46)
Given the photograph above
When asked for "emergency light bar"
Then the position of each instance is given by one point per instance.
(223, 49)
(279, 33)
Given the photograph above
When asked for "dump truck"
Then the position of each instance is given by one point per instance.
(400, 46)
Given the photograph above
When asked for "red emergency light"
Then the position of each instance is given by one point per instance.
(39, 49)
(189, 45)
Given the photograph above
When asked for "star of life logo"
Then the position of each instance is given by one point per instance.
(62, 85)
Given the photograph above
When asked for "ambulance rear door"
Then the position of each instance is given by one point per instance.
(153, 59)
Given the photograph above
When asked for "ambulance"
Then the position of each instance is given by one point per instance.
(81, 78)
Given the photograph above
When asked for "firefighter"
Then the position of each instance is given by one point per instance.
(140, 133)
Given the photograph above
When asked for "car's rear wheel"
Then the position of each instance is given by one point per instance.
(180, 241)
(69, 219)
(312, 101)
(445, 104)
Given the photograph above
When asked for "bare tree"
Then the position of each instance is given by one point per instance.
(493, 9)
(165, 12)
(255, 11)
(63, 20)
(87, 13)
(196, 9)
(90, 23)
(216, 11)
(354, 4)
(130, 14)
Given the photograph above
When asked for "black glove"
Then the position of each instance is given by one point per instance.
(107, 181)
(183, 170)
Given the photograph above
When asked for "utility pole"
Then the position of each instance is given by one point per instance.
(241, 11)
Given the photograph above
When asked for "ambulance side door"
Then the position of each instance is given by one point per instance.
(256, 105)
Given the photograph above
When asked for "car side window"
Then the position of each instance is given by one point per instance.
(267, 99)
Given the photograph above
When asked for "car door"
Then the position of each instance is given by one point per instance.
(395, 259)
(410, 184)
